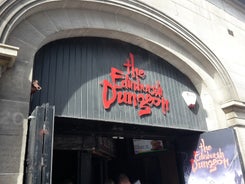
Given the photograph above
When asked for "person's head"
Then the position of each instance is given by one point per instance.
(123, 179)
(109, 181)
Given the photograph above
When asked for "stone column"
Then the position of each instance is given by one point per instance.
(235, 115)
(13, 119)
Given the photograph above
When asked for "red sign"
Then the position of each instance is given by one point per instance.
(206, 158)
(126, 88)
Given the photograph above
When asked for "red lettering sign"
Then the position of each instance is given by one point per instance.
(206, 158)
(126, 88)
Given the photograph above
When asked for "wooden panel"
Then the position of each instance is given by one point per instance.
(40, 146)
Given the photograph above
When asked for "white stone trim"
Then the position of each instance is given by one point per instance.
(235, 113)
(7, 56)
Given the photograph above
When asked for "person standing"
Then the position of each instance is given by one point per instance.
(123, 179)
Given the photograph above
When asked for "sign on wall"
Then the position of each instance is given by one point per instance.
(127, 88)
(214, 161)
(110, 80)
(146, 146)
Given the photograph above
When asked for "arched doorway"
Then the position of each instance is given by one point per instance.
(114, 101)
(32, 24)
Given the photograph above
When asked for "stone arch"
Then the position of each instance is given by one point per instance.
(33, 24)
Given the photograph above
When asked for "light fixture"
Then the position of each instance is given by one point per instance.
(190, 99)
(117, 137)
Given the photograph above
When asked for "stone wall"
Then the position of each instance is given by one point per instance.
(203, 39)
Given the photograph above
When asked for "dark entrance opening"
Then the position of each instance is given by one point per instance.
(70, 72)
(90, 152)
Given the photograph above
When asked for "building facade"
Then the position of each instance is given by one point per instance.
(199, 42)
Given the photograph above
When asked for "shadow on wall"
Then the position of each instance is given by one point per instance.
(71, 71)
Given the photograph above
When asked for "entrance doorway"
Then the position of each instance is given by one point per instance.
(91, 152)
(98, 141)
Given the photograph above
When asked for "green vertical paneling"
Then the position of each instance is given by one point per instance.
(70, 72)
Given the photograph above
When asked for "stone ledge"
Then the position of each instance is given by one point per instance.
(235, 113)
(7, 57)
(231, 105)
(237, 4)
